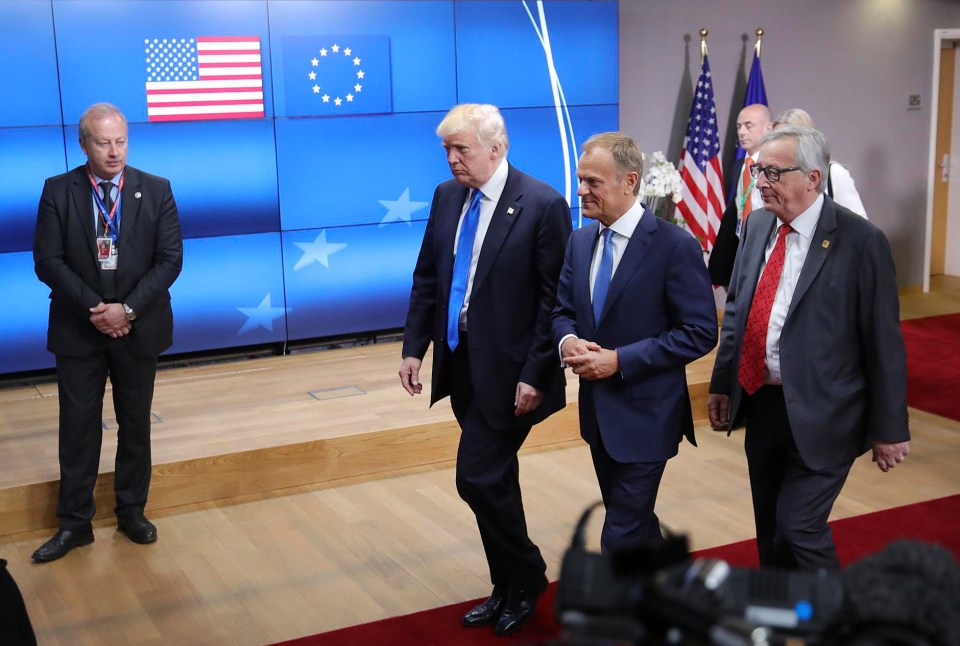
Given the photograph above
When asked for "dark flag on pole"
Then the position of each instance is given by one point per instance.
(702, 197)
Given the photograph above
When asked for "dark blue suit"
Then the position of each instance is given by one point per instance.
(659, 315)
(507, 341)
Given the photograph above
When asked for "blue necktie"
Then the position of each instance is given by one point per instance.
(461, 269)
(604, 273)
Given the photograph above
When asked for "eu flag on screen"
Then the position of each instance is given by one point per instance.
(331, 75)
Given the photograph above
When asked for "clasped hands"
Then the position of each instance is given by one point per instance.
(110, 319)
(588, 360)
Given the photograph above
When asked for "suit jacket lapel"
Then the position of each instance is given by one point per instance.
(764, 222)
(505, 214)
(630, 261)
(445, 232)
(130, 205)
(584, 246)
(823, 237)
(83, 207)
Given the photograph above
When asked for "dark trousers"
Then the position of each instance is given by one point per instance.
(791, 502)
(629, 492)
(81, 382)
(15, 626)
(488, 480)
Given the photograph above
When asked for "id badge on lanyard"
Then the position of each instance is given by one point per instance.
(107, 248)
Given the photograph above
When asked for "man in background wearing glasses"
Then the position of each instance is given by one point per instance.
(811, 359)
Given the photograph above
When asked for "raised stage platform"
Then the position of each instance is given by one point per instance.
(228, 429)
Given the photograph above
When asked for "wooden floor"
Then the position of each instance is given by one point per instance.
(380, 530)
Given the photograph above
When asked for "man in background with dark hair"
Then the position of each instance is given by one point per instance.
(108, 244)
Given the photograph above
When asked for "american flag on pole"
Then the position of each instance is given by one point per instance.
(208, 77)
(702, 196)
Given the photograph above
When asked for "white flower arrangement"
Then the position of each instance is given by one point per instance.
(662, 179)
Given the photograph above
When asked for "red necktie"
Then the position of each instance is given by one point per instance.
(754, 353)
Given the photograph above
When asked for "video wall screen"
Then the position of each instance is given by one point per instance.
(299, 138)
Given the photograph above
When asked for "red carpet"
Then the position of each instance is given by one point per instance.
(933, 368)
(934, 521)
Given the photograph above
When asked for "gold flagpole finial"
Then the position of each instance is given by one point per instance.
(759, 38)
(703, 44)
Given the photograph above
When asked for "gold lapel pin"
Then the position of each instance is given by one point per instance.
(825, 244)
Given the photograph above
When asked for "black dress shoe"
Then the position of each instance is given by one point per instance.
(61, 543)
(487, 612)
(137, 528)
(519, 607)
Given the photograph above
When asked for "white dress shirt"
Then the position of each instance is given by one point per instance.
(798, 244)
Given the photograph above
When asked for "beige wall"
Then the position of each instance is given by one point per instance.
(850, 63)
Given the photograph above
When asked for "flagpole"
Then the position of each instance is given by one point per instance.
(759, 38)
(703, 44)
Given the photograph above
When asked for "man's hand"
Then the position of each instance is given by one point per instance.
(573, 346)
(597, 363)
(110, 319)
(888, 455)
(526, 399)
(718, 410)
(410, 375)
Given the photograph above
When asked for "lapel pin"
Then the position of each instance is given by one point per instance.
(825, 244)
(137, 195)
(509, 210)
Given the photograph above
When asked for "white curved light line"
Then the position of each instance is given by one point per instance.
(559, 99)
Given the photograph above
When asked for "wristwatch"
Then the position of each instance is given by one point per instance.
(131, 315)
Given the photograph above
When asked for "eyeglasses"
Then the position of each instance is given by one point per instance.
(772, 172)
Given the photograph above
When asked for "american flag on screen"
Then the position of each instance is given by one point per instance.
(702, 203)
(207, 77)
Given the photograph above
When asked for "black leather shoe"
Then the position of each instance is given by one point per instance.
(519, 607)
(61, 543)
(487, 612)
(137, 528)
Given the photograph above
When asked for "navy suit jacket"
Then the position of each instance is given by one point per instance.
(514, 291)
(150, 259)
(659, 315)
(842, 356)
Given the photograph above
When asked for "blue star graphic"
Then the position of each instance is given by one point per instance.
(400, 209)
(262, 315)
(317, 251)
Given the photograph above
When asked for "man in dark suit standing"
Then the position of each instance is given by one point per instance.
(634, 307)
(753, 122)
(483, 289)
(108, 245)
(811, 357)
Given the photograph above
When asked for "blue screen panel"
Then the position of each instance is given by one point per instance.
(223, 173)
(358, 170)
(349, 279)
(27, 157)
(420, 43)
(23, 329)
(513, 70)
(537, 148)
(29, 65)
(124, 29)
(229, 294)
